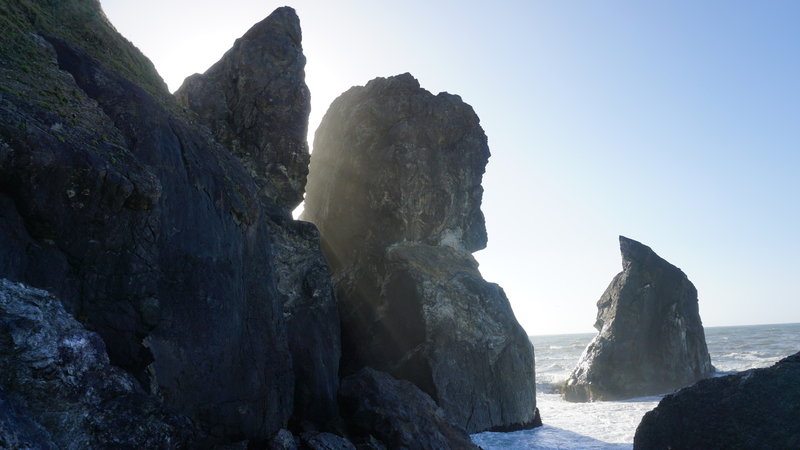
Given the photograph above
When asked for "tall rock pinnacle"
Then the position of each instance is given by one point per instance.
(256, 102)
(395, 189)
(650, 340)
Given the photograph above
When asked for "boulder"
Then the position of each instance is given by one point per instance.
(154, 235)
(256, 102)
(395, 189)
(59, 390)
(651, 339)
(397, 413)
(754, 409)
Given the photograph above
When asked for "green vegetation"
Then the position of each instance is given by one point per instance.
(82, 23)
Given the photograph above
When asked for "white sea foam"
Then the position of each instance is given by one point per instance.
(611, 425)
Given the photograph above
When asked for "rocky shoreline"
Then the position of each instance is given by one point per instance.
(155, 291)
(196, 313)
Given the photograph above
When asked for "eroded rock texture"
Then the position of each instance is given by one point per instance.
(395, 189)
(754, 409)
(256, 102)
(397, 413)
(154, 235)
(59, 390)
(650, 340)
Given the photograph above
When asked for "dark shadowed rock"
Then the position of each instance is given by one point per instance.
(754, 409)
(256, 102)
(651, 339)
(58, 389)
(312, 318)
(324, 441)
(397, 413)
(154, 235)
(395, 189)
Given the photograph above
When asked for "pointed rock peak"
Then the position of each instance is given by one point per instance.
(634, 251)
(256, 102)
(284, 19)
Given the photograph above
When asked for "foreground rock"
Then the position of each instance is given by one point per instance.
(395, 188)
(154, 234)
(256, 102)
(58, 389)
(397, 413)
(754, 409)
(651, 339)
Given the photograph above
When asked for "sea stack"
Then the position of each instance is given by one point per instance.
(395, 189)
(651, 338)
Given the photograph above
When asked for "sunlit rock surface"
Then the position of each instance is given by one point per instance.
(256, 102)
(395, 189)
(651, 338)
(757, 408)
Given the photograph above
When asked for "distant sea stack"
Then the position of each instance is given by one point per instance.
(395, 189)
(650, 340)
(757, 408)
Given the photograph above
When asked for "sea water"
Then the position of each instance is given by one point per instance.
(611, 425)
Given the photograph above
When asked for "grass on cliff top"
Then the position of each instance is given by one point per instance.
(83, 24)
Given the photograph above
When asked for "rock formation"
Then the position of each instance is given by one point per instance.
(154, 235)
(58, 389)
(397, 413)
(395, 189)
(650, 340)
(756, 409)
(256, 102)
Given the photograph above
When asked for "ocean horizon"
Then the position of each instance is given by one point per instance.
(612, 424)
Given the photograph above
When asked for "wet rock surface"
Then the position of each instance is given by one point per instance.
(754, 409)
(256, 102)
(651, 338)
(397, 413)
(59, 390)
(395, 189)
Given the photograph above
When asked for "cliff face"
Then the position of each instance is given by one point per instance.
(394, 187)
(651, 338)
(153, 234)
(756, 408)
(256, 103)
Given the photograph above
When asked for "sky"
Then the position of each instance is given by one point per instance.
(676, 124)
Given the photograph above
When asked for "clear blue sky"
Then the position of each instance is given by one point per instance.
(673, 123)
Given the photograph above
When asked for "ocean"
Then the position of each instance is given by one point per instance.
(611, 425)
